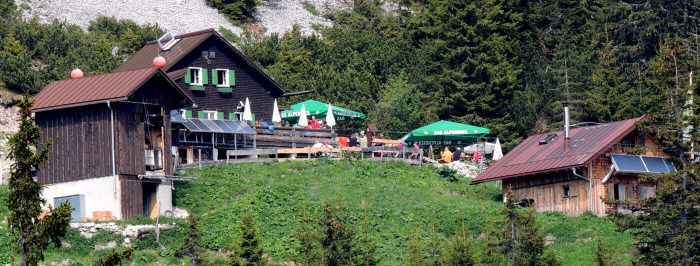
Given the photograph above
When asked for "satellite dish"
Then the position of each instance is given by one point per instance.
(166, 41)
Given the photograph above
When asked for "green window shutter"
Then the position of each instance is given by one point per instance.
(197, 88)
(188, 79)
(188, 114)
(253, 118)
(225, 89)
(204, 77)
(220, 115)
(214, 77)
(200, 114)
(231, 116)
(232, 77)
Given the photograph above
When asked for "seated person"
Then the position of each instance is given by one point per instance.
(326, 145)
(352, 142)
(447, 155)
(457, 155)
(415, 155)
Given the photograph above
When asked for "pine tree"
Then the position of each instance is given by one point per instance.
(24, 200)
(251, 249)
(337, 243)
(191, 246)
(459, 251)
(520, 241)
(307, 239)
(366, 255)
(415, 255)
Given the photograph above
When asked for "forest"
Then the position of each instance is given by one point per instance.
(505, 65)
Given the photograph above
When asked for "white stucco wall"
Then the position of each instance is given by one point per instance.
(99, 194)
(164, 197)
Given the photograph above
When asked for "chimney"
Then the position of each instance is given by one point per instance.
(566, 127)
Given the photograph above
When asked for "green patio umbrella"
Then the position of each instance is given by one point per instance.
(320, 110)
(446, 133)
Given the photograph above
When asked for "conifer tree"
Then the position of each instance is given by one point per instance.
(191, 246)
(415, 255)
(24, 200)
(520, 241)
(307, 239)
(459, 251)
(251, 249)
(366, 255)
(337, 243)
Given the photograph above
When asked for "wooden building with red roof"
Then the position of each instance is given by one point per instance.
(571, 172)
(111, 141)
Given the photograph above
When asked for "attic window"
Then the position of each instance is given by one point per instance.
(548, 138)
(170, 44)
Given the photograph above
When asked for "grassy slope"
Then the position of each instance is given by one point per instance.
(398, 199)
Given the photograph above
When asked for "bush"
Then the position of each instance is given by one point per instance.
(237, 11)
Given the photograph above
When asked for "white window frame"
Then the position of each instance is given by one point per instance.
(183, 113)
(226, 77)
(239, 116)
(198, 79)
(211, 115)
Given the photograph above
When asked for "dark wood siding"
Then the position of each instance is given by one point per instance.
(131, 197)
(130, 139)
(247, 84)
(81, 143)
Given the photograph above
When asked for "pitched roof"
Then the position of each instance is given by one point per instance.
(186, 43)
(586, 144)
(99, 88)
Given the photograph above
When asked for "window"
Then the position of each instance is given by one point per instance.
(209, 115)
(235, 116)
(220, 77)
(196, 76)
(567, 191)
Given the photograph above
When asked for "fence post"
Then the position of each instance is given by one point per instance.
(199, 161)
(294, 142)
(341, 151)
(308, 155)
(420, 159)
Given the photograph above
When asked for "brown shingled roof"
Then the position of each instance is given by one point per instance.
(93, 89)
(528, 158)
(185, 45)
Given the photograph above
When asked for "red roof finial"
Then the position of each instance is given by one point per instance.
(76, 73)
(159, 62)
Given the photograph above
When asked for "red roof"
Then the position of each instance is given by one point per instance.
(586, 144)
(94, 89)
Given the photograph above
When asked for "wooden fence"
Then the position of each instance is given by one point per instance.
(376, 153)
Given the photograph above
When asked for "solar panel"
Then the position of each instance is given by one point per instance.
(656, 164)
(671, 169)
(175, 117)
(199, 123)
(641, 164)
(244, 127)
(191, 126)
(224, 127)
(629, 163)
(212, 126)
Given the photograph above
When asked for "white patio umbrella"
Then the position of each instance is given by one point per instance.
(330, 118)
(303, 121)
(497, 152)
(276, 118)
(247, 115)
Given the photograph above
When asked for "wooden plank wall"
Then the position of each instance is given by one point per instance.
(247, 84)
(131, 196)
(130, 139)
(81, 143)
(550, 197)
